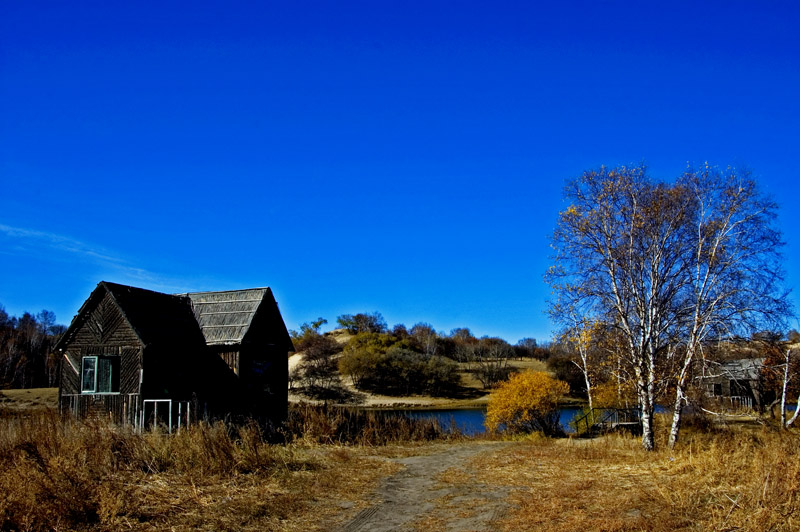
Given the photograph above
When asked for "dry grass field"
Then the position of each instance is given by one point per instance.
(725, 479)
(28, 399)
(68, 475)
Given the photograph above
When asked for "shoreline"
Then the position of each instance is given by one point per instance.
(422, 403)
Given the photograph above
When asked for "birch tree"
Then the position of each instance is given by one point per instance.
(581, 337)
(787, 378)
(734, 271)
(618, 246)
(667, 267)
(780, 373)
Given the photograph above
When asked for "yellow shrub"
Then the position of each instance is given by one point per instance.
(612, 395)
(526, 402)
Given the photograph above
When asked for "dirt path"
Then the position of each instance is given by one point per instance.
(420, 496)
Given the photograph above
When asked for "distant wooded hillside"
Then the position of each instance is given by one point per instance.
(26, 350)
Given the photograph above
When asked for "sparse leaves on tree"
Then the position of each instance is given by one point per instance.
(667, 267)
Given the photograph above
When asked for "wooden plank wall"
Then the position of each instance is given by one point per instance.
(231, 358)
(117, 408)
(104, 331)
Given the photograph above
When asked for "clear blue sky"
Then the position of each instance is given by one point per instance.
(400, 157)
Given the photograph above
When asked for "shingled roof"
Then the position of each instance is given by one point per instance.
(156, 318)
(742, 369)
(213, 318)
(225, 317)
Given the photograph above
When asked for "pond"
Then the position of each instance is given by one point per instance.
(470, 420)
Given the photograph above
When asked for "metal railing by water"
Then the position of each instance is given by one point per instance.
(603, 420)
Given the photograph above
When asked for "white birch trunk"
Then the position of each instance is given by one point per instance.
(677, 410)
(588, 390)
(796, 411)
(648, 435)
(680, 395)
(648, 440)
(783, 390)
(646, 408)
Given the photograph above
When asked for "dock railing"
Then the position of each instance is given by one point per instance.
(603, 420)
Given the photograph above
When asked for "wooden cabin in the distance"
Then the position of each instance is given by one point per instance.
(141, 357)
(737, 383)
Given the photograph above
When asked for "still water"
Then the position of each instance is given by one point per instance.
(470, 421)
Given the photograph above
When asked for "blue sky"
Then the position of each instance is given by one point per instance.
(400, 157)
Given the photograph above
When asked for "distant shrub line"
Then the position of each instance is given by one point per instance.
(400, 361)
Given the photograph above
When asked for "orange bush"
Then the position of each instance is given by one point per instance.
(526, 402)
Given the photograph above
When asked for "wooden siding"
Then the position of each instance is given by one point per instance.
(231, 358)
(105, 325)
(70, 381)
(103, 331)
(160, 334)
(117, 408)
(265, 375)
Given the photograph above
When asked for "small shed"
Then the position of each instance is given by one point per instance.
(141, 357)
(737, 382)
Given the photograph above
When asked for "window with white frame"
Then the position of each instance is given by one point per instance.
(100, 374)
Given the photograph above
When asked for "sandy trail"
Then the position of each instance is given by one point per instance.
(418, 497)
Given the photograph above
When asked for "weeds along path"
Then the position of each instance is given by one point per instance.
(420, 496)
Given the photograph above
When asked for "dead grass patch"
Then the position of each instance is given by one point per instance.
(342, 425)
(725, 480)
(57, 475)
(29, 398)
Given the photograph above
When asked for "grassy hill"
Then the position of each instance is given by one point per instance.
(470, 393)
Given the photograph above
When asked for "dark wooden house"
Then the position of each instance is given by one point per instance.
(736, 383)
(140, 357)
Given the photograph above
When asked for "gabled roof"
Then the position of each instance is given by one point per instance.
(742, 369)
(156, 318)
(225, 317)
(211, 318)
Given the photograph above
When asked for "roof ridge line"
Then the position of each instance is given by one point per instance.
(224, 291)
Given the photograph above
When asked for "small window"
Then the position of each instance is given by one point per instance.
(89, 375)
(100, 375)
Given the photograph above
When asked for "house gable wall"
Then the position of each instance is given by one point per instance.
(102, 330)
(264, 359)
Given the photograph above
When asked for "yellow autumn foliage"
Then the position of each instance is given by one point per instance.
(613, 395)
(526, 402)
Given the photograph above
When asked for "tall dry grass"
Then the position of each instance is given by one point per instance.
(737, 479)
(728, 478)
(65, 474)
(352, 426)
(58, 474)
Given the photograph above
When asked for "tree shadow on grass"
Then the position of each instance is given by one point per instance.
(461, 392)
(335, 394)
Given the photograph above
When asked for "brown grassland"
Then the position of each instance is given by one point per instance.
(723, 479)
(66, 475)
(28, 399)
